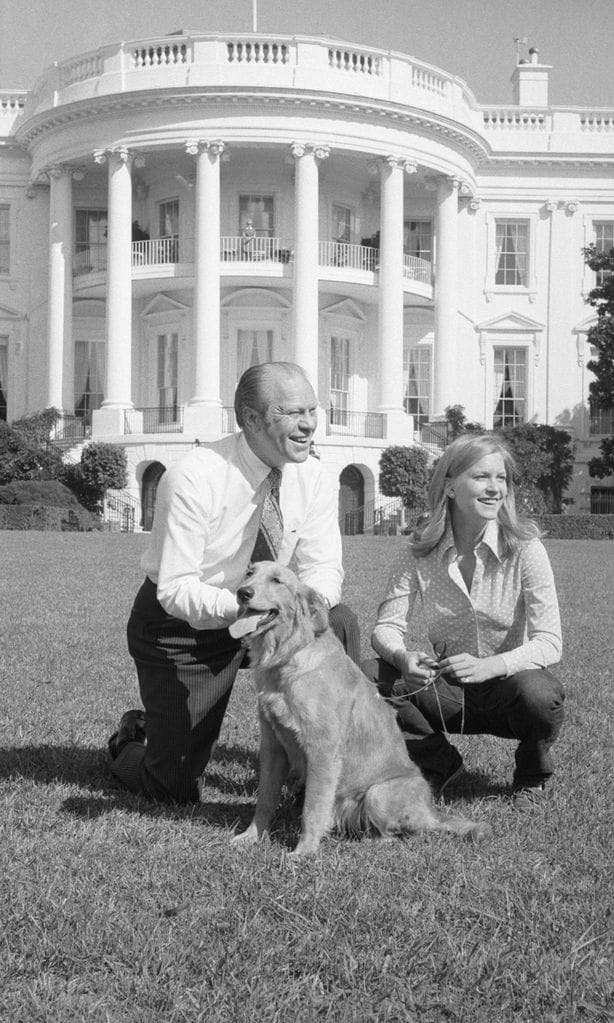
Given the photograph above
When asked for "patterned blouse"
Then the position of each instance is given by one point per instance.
(511, 610)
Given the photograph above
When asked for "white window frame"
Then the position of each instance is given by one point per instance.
(407, 222)
(242, 214)
(342, 403)
(425, 348)
(4, 383)
(6, 273)
(171, 320)
(505, 339)
(337, 204)
(510, 216)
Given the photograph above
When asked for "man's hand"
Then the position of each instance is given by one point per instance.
(472, 670)
(417, 669)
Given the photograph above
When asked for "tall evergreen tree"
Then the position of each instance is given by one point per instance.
(601, 337)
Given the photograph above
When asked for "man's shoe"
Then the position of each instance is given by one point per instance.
(131, 729)
(527, 797)
(440, 777)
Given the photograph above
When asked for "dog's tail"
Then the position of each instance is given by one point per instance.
(402, 806)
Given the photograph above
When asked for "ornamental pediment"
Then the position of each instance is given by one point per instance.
(7, 313)
(346, 308)
(510, 321)
(164, 304)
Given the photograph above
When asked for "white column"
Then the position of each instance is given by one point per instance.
(202, 413)
(306, 217)
(61, 355)
(445, 376)
(390, 335)
(118, 388)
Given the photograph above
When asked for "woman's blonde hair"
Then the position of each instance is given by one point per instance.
(459, 456)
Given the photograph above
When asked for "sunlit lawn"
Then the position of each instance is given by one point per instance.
(113, 909)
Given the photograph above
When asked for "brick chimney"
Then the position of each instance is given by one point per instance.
(530, 81)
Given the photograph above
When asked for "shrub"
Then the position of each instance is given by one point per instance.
(577, 527)
(50, 493)
(22, 457)
(404, 473)
(102, 466)
(46, 518)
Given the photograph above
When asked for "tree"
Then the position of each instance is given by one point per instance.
(457, 422)
(601, 337)
(404, 473)
(545, 457)
(102, 466)
(25, 451)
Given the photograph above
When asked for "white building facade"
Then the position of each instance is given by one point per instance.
(173, 210)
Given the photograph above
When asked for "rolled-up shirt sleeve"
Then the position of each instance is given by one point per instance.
(318, 550)
(543, 646)
(397, 606)
(183, 519)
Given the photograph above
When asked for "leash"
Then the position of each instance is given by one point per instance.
(396, 701)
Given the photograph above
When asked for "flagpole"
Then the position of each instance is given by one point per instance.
(254, 15)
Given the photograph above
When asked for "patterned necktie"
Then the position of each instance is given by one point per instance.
(271, 529)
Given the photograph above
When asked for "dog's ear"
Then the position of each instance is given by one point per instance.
(313, 606)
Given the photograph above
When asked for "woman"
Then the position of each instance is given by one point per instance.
(487, 593)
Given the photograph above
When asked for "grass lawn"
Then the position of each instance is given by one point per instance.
(113, 909)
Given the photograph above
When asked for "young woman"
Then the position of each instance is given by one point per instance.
(487, 593)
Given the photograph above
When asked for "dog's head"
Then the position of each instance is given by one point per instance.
(278, 615)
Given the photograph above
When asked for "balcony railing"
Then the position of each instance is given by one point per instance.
(235, 249)
(71, 429)
(354, 257)
(601, 422)
(154, 420)
(371, 425)
(416, 269)
(436, 435)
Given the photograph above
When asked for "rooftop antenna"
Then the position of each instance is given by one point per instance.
(520, 41)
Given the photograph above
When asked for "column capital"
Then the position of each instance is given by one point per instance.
(119, 153)
(551, 205)
(319, 150)
(406, 165)
(57, 171)
(196, 146)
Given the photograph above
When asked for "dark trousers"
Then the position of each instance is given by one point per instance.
(185, 678)
(527, 706)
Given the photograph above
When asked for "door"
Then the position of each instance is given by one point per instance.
(351, 501)
(151, 478)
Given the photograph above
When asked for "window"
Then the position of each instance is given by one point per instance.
(4, 370)
(343, 223)
(260, 209)
(604, 241)
(168, 229)
(168, 348)
(602, 500)
(509, 387)
(339, 380)
(90, 358)
(5, 240)
(418, 239)
(253, 348)
(512, 255)
(417, 376)
(90, 240)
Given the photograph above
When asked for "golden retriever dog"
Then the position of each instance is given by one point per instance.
(322, 718)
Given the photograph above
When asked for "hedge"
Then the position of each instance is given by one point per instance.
(51, 493)
(47, 517)
(577, 527)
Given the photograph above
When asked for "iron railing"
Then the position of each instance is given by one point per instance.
(154, 420)
(416, 269)
(71, 429)
(380, 518)
(435, 434)
(341, 422)
(237, 249)
(601, 422)
(353, 257)
(602, 500)
(122, 510)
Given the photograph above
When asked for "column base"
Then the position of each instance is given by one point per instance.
(110, 422)
(203, 421)
(399, 426)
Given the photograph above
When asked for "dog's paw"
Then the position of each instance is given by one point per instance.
(247, 837)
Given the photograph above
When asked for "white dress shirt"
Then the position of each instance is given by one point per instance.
(512, 608)
(206, 521)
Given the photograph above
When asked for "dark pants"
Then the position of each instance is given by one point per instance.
(185, 678)
(527, 706)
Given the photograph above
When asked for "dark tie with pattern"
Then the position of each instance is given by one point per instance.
(271, 529)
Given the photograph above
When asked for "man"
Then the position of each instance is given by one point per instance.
(254, 495)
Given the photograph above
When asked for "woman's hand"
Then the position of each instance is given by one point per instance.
(416, 667)
(471, 670)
